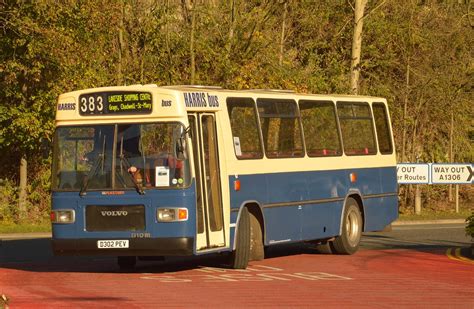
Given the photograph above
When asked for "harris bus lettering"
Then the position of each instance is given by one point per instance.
(66, 106)
(199, 99)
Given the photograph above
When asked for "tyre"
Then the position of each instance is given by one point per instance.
(256, 239)
(349, 240)
(241, 254)
(126, 262)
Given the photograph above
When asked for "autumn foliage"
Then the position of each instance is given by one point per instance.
(417, 54)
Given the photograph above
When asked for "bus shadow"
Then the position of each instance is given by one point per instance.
(371, 242)
(35, 255)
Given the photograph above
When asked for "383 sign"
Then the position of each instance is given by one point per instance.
(115, 102)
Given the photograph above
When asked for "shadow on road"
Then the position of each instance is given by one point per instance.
(36, 255)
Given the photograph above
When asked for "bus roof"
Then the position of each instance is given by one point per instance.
(124, 103)
(187, 88)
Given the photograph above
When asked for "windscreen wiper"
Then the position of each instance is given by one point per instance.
(93, 171)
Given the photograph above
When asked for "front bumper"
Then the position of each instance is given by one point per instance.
(137, 247)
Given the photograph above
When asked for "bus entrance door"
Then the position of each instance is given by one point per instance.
(210, 225)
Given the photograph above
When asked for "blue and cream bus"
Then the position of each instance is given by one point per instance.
(142, 171)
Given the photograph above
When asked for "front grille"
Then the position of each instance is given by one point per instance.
(115, 218)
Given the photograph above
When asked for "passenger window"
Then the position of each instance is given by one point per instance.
(244, 124)
(281, 129)
(320, 128)
(382, 127)
(357, 128)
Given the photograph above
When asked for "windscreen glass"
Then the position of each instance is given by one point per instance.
(122, 156)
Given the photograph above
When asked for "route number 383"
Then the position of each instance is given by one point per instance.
(91, 104)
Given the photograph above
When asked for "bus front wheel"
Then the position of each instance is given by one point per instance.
(241, 254)
(348, 241)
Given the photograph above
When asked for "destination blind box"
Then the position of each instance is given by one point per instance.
(115, 103)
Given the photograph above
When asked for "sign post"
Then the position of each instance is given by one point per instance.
(457, 198)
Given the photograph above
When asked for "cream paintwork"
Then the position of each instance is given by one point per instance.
(229, 164)
(216, 238)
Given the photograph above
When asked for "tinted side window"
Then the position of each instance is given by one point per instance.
(320, 128)
(244, 124)
(281, 128)
(357, 128)
(381, 125)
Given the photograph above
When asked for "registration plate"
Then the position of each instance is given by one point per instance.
(111, 244)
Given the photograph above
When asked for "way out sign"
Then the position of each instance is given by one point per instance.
(413, 173)
(452, 173)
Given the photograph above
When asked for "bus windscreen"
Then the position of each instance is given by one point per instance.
(121, 156)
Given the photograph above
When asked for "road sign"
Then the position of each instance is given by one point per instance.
(413, 173)
(452, 173)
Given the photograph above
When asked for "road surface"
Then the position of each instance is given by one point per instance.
(425, 266)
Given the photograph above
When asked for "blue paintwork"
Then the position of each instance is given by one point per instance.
(388, 178)
(319, 220)
(152, 200)
(379, 212)
(286, 223)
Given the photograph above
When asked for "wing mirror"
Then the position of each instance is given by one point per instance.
(181, 144)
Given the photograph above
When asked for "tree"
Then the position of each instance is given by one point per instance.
(357, 44)
(26, 71)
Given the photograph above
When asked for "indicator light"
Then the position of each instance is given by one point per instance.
(237, 185)
(182, 214)
(172, 214)
(353, 177)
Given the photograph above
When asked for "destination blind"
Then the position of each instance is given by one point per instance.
(115, 103)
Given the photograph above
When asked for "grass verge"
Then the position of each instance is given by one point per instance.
(429, 214)
(7, 228)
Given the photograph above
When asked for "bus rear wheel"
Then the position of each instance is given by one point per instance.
(349, 240)
(126, 262)
(241, 254)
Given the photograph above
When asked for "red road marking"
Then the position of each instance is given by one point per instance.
(393, 278)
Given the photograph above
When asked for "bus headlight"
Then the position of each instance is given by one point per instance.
(63, 216)
(172, 214)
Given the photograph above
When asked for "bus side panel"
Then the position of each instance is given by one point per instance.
(367, 180)
(322, 220)
(283, 224)
(269, 190)
(388, 179)
(252, 188)
(381, 211)
(285, 221)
